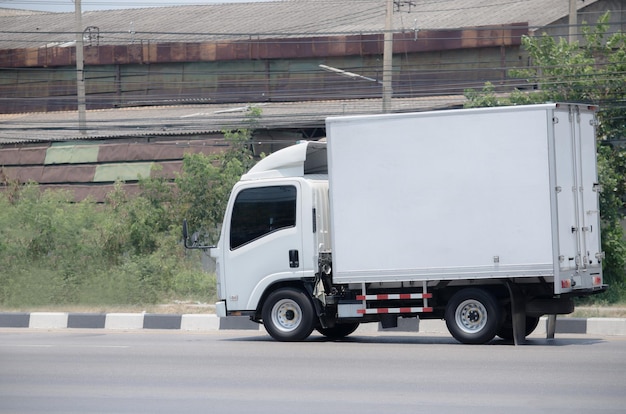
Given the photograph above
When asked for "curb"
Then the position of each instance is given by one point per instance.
(124, 321)
(210, 322)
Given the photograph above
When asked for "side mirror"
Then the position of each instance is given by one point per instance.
(195, 237)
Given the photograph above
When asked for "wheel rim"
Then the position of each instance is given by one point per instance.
(286, 315)
(471, 316)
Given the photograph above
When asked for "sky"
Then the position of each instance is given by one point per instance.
(88, 5)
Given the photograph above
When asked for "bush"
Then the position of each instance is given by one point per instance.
(126, 252)
(195, 284)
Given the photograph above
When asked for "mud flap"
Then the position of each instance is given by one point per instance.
(551, 327)
(518, 313)
(318, 297)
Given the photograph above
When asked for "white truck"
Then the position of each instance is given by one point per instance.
(487, 218)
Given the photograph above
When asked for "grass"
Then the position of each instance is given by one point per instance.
(609, 311)
(175, 307)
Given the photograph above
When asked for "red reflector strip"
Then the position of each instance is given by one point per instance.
(393, 310)
(395, 296)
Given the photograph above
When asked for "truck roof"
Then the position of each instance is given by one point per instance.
(303, 158)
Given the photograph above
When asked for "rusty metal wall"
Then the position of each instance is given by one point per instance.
(255, 70)
(274, 48)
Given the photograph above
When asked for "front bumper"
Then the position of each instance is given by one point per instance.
(220, 309)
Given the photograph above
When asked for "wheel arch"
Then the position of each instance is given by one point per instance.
(294, 283)
(499, 290)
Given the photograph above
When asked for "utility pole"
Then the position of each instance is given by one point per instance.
(388, 58)
(80, 73)
(573, 21)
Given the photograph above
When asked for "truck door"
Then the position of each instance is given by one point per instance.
(577, 200)
(263, 241)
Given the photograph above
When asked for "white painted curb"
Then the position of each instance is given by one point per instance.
(606, 326)
(435, 326)
(124, 321)
(48, 320)
(199, 322)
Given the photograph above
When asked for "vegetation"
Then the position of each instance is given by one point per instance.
(206, 181)
(125, 252)
(593, 72)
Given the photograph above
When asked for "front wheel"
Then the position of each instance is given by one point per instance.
(288, 315)
(473, 316)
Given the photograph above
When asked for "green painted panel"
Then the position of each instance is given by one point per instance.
(199, 72)
(304, 67)
(66, 153)
(9, 77)
(122, 172)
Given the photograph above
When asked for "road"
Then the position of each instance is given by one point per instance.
(89, 371)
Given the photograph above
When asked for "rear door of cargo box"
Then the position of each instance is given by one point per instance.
(577, 246)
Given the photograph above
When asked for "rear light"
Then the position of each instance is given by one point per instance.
(597, 280)
(566, 284)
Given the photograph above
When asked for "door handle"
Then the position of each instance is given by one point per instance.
(294, 260)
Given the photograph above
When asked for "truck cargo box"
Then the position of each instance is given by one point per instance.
(458, 194)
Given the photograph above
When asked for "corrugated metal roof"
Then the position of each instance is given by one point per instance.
(18, 12)
(195, 119)
(302, 18)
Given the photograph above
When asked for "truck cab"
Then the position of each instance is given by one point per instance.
(271, 233)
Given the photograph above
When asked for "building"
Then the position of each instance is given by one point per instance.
(160, 79)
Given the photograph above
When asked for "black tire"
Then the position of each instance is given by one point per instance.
(473, 316)
(288, 315)
(506, 330)
(339, 331)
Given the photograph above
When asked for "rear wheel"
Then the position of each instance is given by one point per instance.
(288, 315)
(473, 316)
(339, 331)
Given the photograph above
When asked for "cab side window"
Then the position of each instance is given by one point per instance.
(260, 211)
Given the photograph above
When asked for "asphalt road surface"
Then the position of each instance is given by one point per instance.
(78, 371)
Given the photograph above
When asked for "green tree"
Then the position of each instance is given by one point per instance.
(592, 72)
(206, 180)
